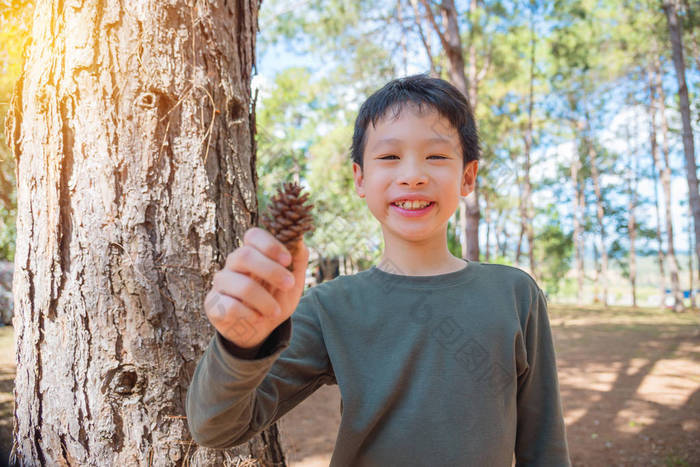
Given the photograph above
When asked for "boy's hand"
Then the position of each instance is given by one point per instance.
(249, 297)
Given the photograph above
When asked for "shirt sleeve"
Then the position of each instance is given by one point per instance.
(541, 432)
(231, 399)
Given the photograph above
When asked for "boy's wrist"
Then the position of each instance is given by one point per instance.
(278, 339)
(244, 353)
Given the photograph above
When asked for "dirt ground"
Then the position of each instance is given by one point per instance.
(629, 380)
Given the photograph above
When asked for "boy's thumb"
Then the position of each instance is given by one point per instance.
(300, 263)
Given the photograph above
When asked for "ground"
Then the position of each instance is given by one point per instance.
(629, 380)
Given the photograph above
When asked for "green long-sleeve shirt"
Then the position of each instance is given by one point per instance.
(452, 369)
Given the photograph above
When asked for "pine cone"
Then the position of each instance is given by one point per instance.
(288, 216)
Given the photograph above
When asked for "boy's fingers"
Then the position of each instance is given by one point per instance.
(233, 319)
(268, 244)
(247, 290)
(249, 260)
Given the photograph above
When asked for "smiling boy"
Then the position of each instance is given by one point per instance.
(439, 361)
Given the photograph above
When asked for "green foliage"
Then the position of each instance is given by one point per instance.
(15, 19)
(553, 249)
(8, 233)
(453, 243)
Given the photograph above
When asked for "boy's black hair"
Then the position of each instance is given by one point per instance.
(421, 90)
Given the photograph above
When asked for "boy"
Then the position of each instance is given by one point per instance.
(439, 361)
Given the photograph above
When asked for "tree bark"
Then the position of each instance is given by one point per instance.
(676, 35)
(135, 164)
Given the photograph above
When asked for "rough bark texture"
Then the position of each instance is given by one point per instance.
(135, 165)
(674, 27)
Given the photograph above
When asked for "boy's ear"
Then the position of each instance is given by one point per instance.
(359, 180)
(469, 177)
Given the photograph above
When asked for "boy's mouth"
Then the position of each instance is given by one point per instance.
(409, 209)
(412, 205)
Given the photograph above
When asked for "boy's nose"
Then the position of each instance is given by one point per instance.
(412, 174)
(413, 180)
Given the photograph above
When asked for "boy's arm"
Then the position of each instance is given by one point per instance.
(232, 398)
(541, 433)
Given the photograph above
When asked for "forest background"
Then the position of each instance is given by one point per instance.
(584, 173)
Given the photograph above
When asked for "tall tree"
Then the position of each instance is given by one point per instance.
(578, 209)
(632, 178)
(676, 36)
(665, 170)
(135, 161)
(654, 151)
(593, 160)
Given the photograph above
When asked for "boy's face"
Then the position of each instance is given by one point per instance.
(413, 155)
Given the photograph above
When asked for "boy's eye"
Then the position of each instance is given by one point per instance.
(434, 155)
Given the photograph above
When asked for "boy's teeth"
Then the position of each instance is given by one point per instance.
(412, 204)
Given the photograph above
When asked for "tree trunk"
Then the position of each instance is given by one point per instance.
(577, 214)
(602, 279)
(655, 164)
(633, 185)
(693, 303)
(632, 225)
(676, 35)
(666, 184)
(135, 164)
(328, 268)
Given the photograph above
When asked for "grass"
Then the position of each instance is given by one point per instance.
(675, 461)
